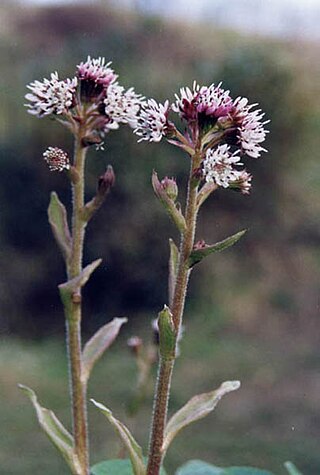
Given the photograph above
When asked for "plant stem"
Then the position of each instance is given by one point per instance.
(78, 389)
(166, 365)
(159, 415)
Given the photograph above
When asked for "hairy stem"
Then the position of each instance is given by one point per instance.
(78, 389)
(160, 415)
(166, 365)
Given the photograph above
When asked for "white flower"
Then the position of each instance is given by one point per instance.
(122, 106)
(56, 159)
(51, 96)
(251, 131)
(152, 122)
(218, 166)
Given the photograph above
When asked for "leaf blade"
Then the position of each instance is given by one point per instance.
(56, 432)
(98, 344)
(134, 449)
(115, 467)
(292, 469)
(198, 467)
(57, 216)
(196, 408)
(71, 287)
(198, 254)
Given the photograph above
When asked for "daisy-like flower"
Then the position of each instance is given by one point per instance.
(202, 103)
(218, 166)
(122, 106)
(51, 96)
(250, 127)
(153, 121)
(95, 76)
(56, 159)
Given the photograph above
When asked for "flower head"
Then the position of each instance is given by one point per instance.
(122, 106)
(153, 121)
(218, 166)
(202, 104)
(95, 76)
(51, 96)
(249, 126)
(92, 101)
(56, 159)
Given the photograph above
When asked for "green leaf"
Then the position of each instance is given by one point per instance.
(197, 467)
(56, 432)
(98, 344)
(71, 287)
(198, 254)
(57, 215)
(173, 267)
(134, 449)
(245, 471)
(167, 334)
(198, 407)
(292, 469)
(115, 467)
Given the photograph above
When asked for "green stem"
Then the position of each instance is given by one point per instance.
(166, 365)
(78, 389)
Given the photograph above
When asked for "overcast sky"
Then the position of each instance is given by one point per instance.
(269, 17)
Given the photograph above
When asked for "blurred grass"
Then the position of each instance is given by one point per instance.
(272, 418)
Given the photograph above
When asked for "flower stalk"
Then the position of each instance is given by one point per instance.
(89, 105)
(166, 364)
(73, 317)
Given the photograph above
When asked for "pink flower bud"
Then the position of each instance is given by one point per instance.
(170, 187)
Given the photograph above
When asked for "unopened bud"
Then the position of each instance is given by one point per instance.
(56, 159)
(135, 344)
(106, 181)
(167, 334)
(170, 187)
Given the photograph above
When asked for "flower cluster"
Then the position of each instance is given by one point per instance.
(219, 167)
(153, 121)
(51, 96)
(216, 126)
(56, 159)
(92, 98)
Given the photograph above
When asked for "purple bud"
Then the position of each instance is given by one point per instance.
(106, 181)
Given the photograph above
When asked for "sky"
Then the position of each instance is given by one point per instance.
(283, 18)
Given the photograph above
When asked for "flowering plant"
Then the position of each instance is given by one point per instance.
(217, 133)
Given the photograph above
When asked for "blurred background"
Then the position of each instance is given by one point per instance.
(252, 312)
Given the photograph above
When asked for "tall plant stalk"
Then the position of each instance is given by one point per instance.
(74, 316)
(166, 363)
